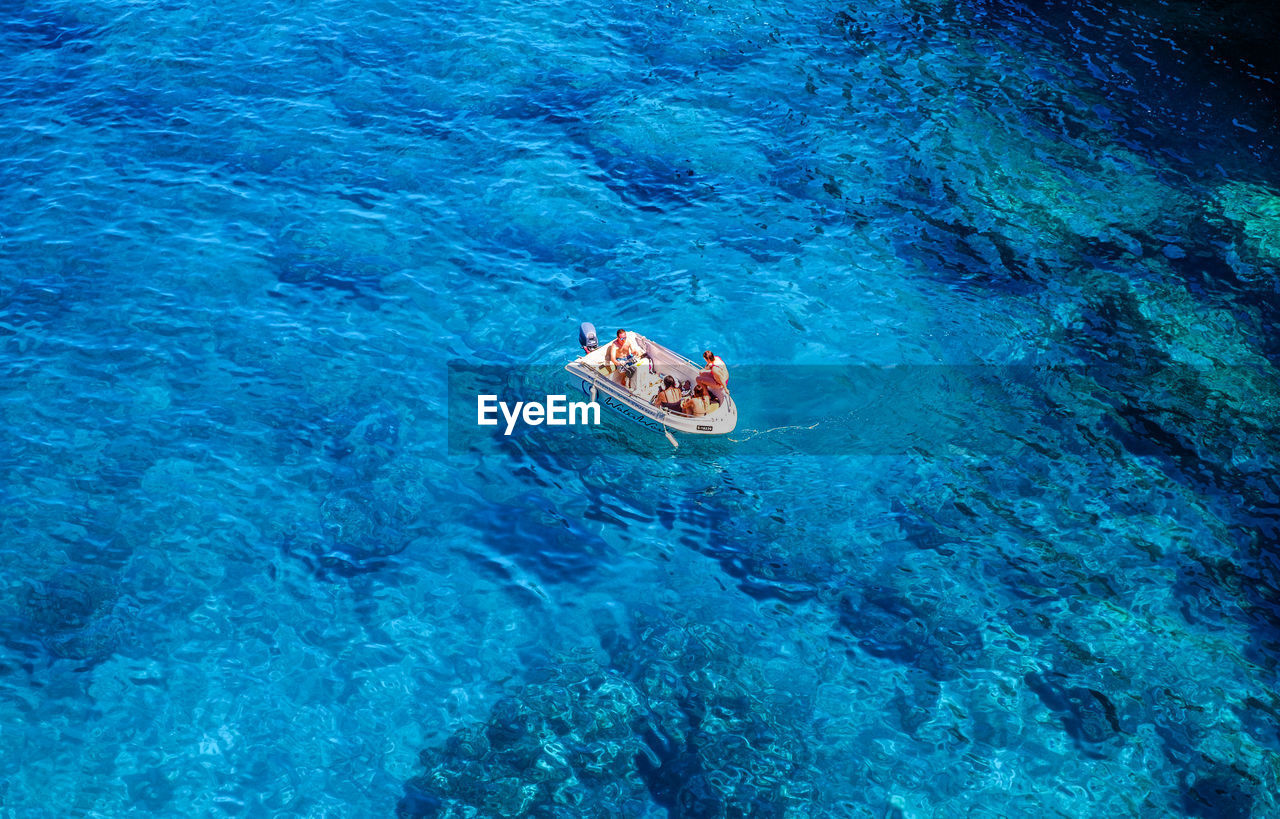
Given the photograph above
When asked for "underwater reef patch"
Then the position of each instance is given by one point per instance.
(1088, 716)
(916, 634)
(661, 724)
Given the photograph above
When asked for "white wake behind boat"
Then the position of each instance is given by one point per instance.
(635, 401)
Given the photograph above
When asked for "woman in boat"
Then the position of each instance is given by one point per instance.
(668, 398)
(715, 376)
(700, 403)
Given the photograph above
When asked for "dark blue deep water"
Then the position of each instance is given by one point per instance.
(1007, 548)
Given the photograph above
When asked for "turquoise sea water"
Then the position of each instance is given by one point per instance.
(1013, 266)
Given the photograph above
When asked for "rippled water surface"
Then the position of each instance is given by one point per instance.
(996, 534)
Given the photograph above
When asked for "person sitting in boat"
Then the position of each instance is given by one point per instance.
(700, 403)
(668, 398)
(714, 376)
(624, 353)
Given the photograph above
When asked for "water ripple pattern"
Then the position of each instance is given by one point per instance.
(1030, 571)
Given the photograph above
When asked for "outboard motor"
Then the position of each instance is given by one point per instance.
(587, 337)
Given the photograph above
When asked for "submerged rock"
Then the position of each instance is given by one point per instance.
(1088, 716)
(1218, 795)
(547, 747)
(73, 615)
(661, 726)
(892, 627)
(1257, 210)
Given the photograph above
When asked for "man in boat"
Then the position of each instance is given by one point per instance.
(624, 352)
(714, 376)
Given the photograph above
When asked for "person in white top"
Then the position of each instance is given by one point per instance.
(715, 376)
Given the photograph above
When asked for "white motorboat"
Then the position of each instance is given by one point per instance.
(631, 394)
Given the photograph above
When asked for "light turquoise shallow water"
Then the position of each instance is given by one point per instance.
(996, 534)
